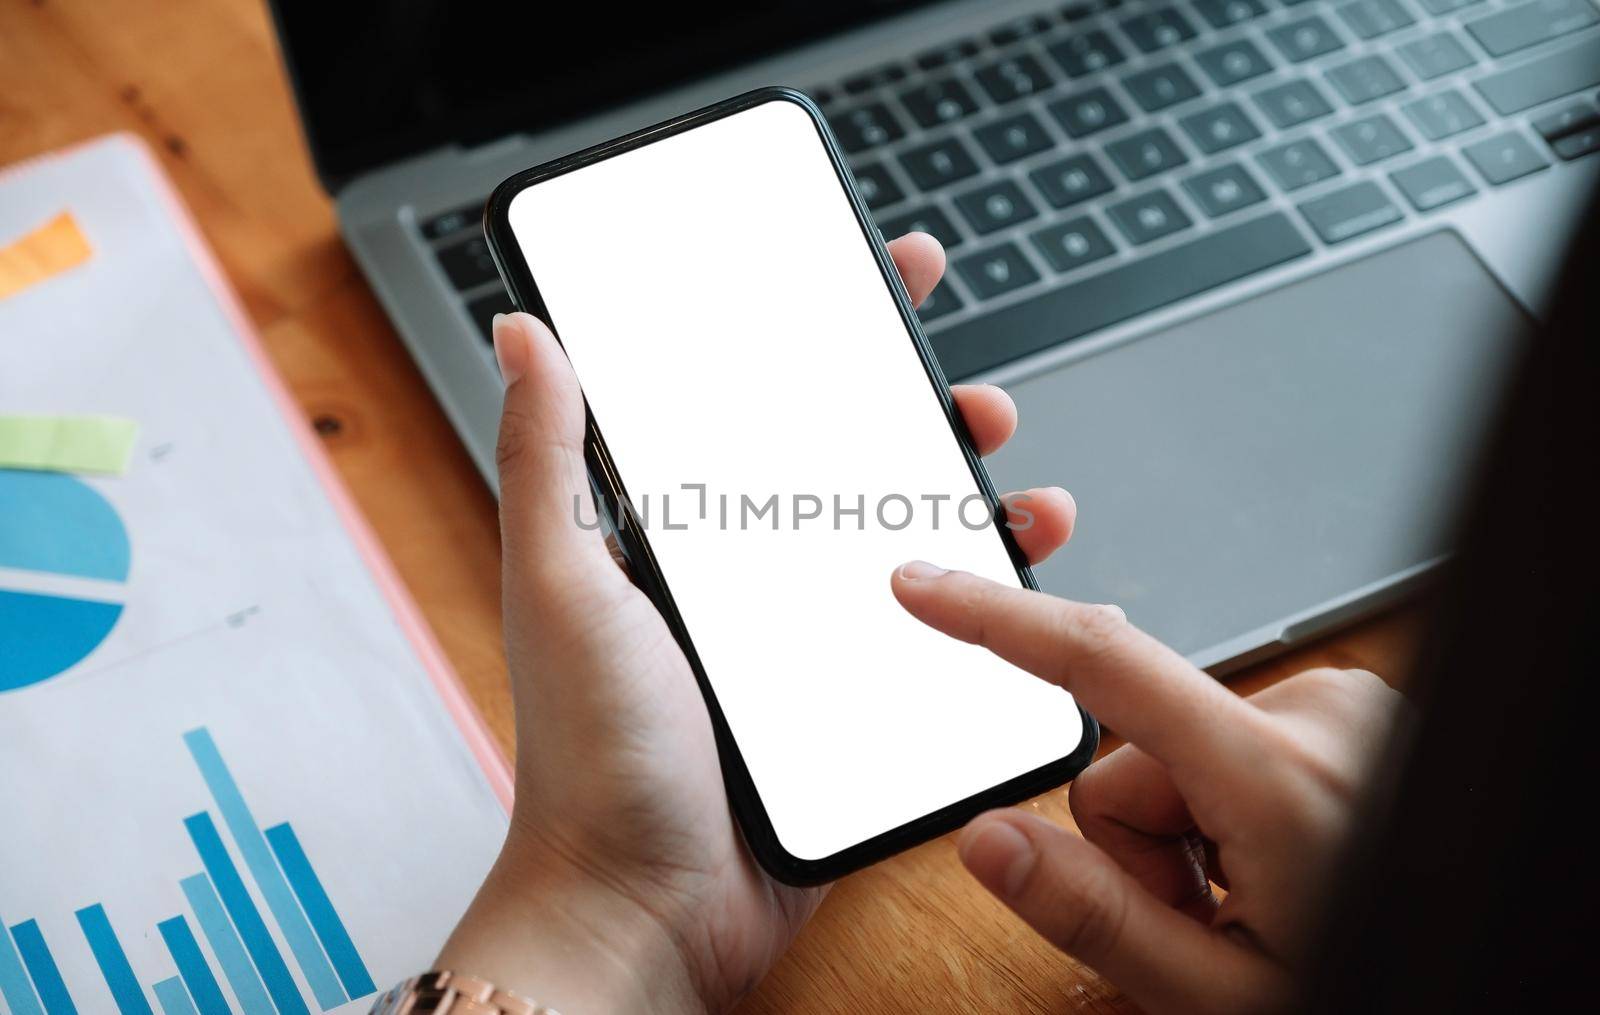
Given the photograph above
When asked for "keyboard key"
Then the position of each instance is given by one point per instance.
(941, 301)
(1529, 24)
(1371, 139)
(953, 52)
(1562, 72)
(453, 221)
(1292, 103)
(1446, 6)
(1432, 183)
(1436, 55)
(1073, 244)
(1158, 29)
(1354, 211)
(1365, 79)
(996, 270)
(1505, 157)
(866, 127)
(940, 101)
(1013, 78)
(1224, 189)
(878, 77)
(1222, 13)
(822, 96)
(1233, 62)
(995, 206)
(467, 263)
(1019, 29)
(1298, 164)
(928, 220)
(939, 163)
(1443, 115)
(1305, 39)
(1160, 87)
(1579, 116)
(1071, 181)
(1013, 138)
(1146, 153)
(1219, 128)
(483, 309)
(1119, 294)
(1088, 111)
(1372, 18)
(1086, 53)
(877, 187)
(1080, 9)
(1149, 216)
(1578, 144)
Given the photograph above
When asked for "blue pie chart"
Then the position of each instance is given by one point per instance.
(63, 563)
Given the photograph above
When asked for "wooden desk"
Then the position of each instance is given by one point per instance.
(200, 81)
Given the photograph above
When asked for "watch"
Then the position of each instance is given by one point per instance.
(441, 991)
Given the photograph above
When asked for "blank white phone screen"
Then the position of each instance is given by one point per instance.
(747, 367)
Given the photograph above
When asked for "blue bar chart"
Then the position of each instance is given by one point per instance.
(42, 967)
(247, 972)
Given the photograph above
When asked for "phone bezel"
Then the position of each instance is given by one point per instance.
(745, 799)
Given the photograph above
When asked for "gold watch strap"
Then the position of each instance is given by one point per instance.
(441, 991)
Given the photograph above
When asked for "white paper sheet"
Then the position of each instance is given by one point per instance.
(240, 605)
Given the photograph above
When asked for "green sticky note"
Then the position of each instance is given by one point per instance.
(67, 443)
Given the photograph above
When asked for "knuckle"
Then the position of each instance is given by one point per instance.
(1373, 688)
(982, 600)
(1324, 675)
(1096, 912)
(1098, 632)
(1084, 795)
(1338, 680)
(1349, 696)
(511, 447)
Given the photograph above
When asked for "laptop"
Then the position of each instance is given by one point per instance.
(1252, 269)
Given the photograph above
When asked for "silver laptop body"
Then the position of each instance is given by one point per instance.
(1253, 270)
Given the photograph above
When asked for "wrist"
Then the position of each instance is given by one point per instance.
(543, 928)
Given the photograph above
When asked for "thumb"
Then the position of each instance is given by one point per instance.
(1077, 897)
(547, 516)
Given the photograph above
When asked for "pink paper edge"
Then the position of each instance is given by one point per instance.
(445, 681)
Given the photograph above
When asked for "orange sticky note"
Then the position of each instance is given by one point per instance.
(44, 253)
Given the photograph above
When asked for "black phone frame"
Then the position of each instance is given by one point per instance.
(744, 799)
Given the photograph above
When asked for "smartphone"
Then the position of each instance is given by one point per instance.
(770, 436)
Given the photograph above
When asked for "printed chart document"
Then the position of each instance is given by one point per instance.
(235, 774)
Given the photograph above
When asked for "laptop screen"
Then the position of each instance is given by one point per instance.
(381, 79)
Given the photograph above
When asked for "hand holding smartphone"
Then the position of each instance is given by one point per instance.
(762, 522)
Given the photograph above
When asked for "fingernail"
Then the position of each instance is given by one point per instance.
(998, 855)
(1114, 610)
(916, 570)
(511, 364)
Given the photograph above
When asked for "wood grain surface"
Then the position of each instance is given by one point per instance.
(200, 81)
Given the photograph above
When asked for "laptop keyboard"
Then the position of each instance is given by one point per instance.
(1092, 164)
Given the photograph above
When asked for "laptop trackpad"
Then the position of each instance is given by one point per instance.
(1259, 464)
